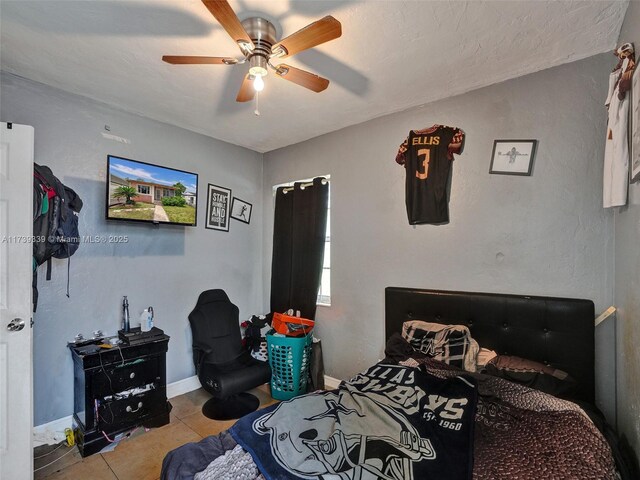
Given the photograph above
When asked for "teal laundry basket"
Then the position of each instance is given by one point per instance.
(289, 358)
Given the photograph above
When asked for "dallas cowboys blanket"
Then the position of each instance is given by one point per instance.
(390, 422)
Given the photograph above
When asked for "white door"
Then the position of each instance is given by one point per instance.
(16, 253)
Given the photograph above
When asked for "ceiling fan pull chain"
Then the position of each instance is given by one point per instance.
(256, 111)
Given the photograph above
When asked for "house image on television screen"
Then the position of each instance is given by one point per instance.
(141, 191)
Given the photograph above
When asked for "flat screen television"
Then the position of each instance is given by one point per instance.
(143, 192)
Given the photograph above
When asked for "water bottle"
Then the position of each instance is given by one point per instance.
(146, 319)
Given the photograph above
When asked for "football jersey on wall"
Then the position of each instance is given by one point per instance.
(427, 155)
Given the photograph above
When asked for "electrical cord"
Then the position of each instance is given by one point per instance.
(121, 356)
(110, 388)
(113, 417)
(126, 436)
(49, 453)
(110, 383)
(71, 449)
(105, 372)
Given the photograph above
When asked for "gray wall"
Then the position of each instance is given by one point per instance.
(627, 284)
(165, 266)
(546, 234)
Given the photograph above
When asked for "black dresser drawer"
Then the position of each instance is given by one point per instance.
(116, 378)
(115, 414)
(118, 389)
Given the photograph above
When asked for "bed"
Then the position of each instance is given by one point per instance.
(411, 417)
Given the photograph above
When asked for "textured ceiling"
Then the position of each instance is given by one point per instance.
(392, 55)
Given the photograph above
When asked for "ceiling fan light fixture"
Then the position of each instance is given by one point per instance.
(258, 66)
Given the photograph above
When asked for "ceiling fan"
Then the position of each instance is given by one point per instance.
(256, 38)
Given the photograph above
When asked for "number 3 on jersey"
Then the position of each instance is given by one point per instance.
(425, 163)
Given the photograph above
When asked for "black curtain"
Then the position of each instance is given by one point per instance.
(299, 231)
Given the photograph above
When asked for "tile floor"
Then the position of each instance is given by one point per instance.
(140, 456)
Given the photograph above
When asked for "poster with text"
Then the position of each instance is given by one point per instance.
(218, 200)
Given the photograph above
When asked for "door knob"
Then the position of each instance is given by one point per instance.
(15, 325)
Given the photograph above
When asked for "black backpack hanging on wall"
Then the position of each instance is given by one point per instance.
(56, 209)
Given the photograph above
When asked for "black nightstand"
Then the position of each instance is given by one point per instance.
(118, 389)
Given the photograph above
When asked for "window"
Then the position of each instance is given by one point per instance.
(144, 189)
(324, 292)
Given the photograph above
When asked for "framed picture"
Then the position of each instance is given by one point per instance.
(635, 127)
(218, 200)
(241, 210)
(513, 157)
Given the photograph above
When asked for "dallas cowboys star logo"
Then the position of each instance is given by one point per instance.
(333, 410)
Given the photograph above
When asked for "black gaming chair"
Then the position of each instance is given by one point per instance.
(224, 368)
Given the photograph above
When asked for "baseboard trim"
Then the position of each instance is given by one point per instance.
(53, 432)
(183, 386)
(331, 383)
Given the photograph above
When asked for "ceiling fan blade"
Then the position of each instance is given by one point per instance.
(314, 34)
(302, 78)
(247, 92)
(194, 60)
(225, 15)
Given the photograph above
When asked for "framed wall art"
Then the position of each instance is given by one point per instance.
(513, 157)
(218, 202)
(241, 210)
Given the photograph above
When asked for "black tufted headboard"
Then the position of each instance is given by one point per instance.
(555, 331)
